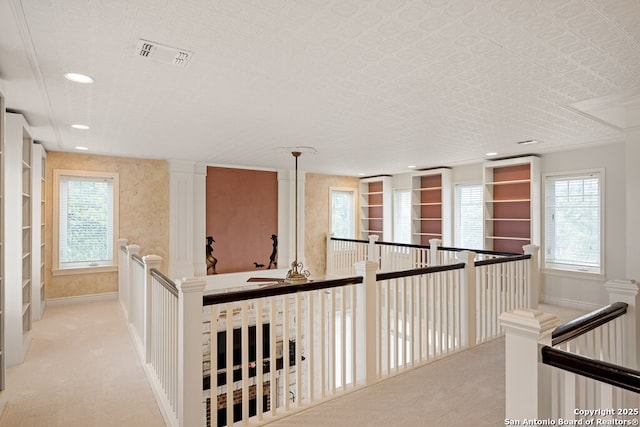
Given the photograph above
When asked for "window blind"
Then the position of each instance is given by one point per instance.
(572, 222)
(402, 216)
(86, 221)
(343, 214)
(469, 224)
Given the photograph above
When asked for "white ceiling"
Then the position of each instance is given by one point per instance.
(374, 86)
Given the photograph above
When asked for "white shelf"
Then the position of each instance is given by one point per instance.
(510, 219)
(515, 181)
(508, 238)
(427, 219)
(509, 201)
(372, 206)
(428, 204)
(428, 189)
(372, 193)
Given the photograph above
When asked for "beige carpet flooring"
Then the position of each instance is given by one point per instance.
(82, 370)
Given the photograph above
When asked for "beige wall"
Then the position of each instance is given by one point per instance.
(144, 215)
(317, 217)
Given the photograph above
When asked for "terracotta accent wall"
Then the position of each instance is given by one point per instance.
(317, 217)
(144, 215)
(242, 214)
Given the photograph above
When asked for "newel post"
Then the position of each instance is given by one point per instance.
(468, 298)
(150, 261)
(627, 291)
(433, 251)
(131, 251)
(366, 306)
(190, 351)
(371, 254)
(123, 273)
(527, 379)
(534, 274)
(331, 253)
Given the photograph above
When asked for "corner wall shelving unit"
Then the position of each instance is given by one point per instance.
(512, 203)
(376, 208)
(431, 202)
(2, 275)
(19, 232)
(38, 293)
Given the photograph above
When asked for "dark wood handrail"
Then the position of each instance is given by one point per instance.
(137, 259)
(167, 283)
(587, 322)
(418, 271)
(280, 289)
(605, 372)
(501, 260)
(442, 248)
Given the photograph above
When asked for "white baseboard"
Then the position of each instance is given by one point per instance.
(82, 299)
(580, 305)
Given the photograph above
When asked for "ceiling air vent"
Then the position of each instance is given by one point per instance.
(162, 53)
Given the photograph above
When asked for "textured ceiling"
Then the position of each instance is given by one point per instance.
(374, 86)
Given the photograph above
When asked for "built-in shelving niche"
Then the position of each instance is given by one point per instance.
(376, 208)
(512, 203)
(431, 206)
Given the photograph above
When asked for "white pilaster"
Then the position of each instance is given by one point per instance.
(187, 218)
(632, 171)
(534, 274)
(468, 296)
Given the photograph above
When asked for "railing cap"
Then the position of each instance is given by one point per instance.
(528, 321)
(191, 284)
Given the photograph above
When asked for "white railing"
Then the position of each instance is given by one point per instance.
(564, 374)
(292, 346)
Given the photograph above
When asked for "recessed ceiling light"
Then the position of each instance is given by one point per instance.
(78, 78)
(412, 166)
(492, 153)
(361, 174)
(79, 126)
(82, 148)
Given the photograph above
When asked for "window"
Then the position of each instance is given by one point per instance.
(402, 216)
(469, 222)
(343, 212)
(85, 219)
(573, 221)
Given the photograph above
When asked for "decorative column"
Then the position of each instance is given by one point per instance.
(286, 217)
(187, 219)
(527, 380)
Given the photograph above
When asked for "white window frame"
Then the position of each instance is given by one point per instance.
(397, 220)
(87, 268)
(458, 213)
(354, 194)
(568, 269)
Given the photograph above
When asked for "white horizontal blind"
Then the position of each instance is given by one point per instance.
(402, 216)
(469, 216)
(343, 223)
(86, 221)
(573, 222)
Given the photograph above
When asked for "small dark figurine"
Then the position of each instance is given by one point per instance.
(274, 252)
(258, 265)
(211, 260)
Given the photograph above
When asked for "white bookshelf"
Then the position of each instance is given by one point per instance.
(431, 206)
(2, 276)
(18, 229)
(512, 203)
(38, 200)
(376, 208)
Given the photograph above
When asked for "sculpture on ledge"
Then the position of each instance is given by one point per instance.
(274, 252)
(211, 260)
